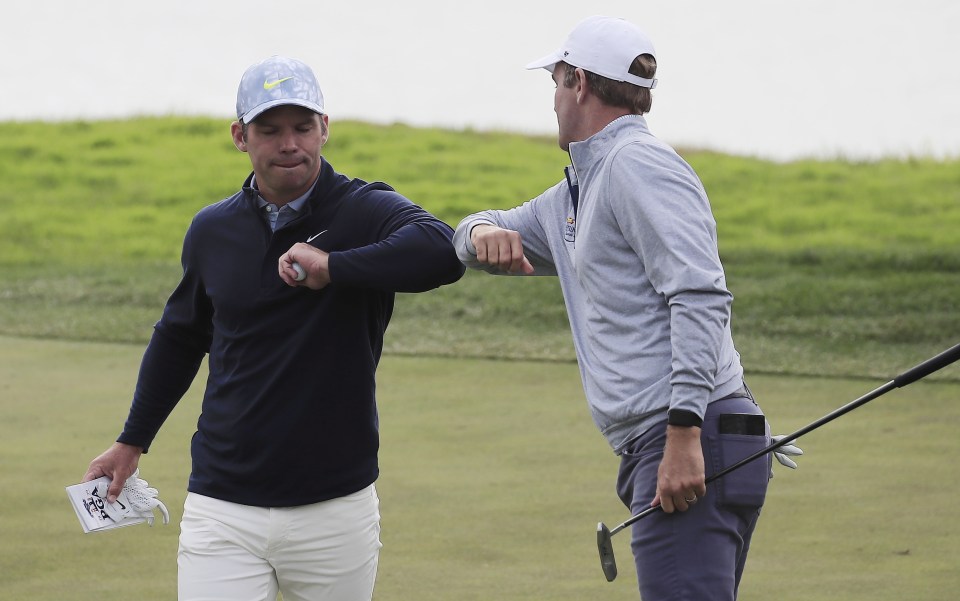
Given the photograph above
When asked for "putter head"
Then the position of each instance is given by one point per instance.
(607, 561)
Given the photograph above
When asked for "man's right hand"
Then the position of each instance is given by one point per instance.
(117, 463)
(501, 248)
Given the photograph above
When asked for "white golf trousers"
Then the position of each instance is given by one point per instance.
(322, 552)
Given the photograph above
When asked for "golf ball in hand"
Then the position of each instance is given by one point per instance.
(301, 274)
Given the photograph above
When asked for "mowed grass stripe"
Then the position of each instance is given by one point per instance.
(493, 479)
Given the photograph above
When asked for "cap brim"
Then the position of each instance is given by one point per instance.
(546, 62)
(266, 106)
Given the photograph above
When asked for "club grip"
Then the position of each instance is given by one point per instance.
(928, 367)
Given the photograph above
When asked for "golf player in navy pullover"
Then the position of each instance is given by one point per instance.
(281, 494)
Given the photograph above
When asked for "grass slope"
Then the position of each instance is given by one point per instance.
(838, 268)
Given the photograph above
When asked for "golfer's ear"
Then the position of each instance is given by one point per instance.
(236, 130)
(581, 85)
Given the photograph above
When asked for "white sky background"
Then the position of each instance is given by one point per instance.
(777, 79)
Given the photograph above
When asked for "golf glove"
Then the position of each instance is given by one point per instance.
(783, 453)
(141, 501)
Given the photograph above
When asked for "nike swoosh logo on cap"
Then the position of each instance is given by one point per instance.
(269, 85)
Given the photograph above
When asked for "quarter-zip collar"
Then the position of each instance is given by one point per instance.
(585, 155)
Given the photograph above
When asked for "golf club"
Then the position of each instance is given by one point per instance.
(604, 544)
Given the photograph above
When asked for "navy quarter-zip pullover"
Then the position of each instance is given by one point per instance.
(291, 385)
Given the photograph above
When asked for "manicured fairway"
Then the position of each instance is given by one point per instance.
(493, 480)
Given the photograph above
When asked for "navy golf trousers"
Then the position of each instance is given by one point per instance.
(698, 554)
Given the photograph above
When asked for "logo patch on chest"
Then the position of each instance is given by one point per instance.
(570, 229)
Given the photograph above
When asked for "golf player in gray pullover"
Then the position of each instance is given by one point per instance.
(631, 236)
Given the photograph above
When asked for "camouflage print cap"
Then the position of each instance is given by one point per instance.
(277, 81)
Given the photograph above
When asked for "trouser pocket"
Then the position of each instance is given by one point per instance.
(745, 486)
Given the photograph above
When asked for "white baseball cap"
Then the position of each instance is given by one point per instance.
(277, 81)
(606, 46)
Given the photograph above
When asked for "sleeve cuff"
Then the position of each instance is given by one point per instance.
(683, 418)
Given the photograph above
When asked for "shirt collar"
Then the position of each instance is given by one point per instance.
(295, 204)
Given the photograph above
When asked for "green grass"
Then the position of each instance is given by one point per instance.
(493, 475)
(83, 193)
(493, 480)
(838, 268)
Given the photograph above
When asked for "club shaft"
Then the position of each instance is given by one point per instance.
(928, 367)
(908, 377)
(635, 518)
(806, 429)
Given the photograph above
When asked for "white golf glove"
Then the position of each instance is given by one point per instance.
(141, 501)
(783, 453)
